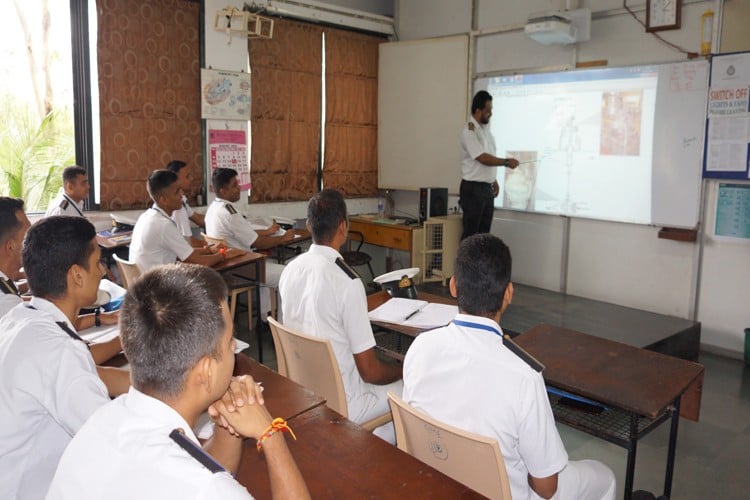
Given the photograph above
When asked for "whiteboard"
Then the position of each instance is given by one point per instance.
(662, 188)
(422, 105)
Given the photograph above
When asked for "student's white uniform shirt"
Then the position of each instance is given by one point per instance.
(48, 388)
(157, 240)
(7, 300)
(124, 452)
(473, 143)
(223, 220)
(318, 298)
(182, 218)
(64, 205)
(467, 378)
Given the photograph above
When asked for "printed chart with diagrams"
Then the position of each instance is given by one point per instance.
(583, 140)
(225, 95)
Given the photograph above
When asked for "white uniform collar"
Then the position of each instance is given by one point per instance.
(325, 251)
(476, 123)
(158, 209)
(48, 307)
(158, 411)
(480, 320)
(3, 276)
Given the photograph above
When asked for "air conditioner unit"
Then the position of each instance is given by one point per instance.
(559, 27)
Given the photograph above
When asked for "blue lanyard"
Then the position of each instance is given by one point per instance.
(479, 326)
(75, 205)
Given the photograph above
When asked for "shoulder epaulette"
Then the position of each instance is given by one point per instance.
(346, 268)
(519, 351)
(471, 126)
(230, 208)
(64, 204)
(195, 451)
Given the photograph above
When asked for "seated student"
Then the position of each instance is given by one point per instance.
(156, 238)
(183, 215)
(181, 354)
(48, 380)
(13, 227)
(75, 189)
(493, 392)
(224, 221)
(322, 296)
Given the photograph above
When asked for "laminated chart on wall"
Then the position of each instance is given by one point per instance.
(225, 95)
(727, 152)
(733, 211)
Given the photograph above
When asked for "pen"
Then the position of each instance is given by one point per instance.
(412, 314)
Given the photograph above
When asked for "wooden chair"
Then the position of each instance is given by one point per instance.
(237, 286)
(471, 459)
(213, 240)
(310, 361)
(128, 270)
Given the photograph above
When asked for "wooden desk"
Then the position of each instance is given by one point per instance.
(111, 241)
(339, 459)
(641, 388)
(251, 266)
(283, 397)
(288, 249)
(397, 236)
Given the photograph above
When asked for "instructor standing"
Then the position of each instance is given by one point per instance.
(479, 167)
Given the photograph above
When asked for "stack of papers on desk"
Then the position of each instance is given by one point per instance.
(414, 313)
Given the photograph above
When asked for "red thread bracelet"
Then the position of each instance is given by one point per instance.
(277, 425)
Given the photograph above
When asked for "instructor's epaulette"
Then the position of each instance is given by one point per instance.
(471, 126)
(346, 268)
(230, 208)
(64, 204)
(519, 351)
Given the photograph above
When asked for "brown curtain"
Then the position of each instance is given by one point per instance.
(286, 95)
(351, 146)
(149, 84)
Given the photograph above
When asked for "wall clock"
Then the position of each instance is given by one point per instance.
(663, 15)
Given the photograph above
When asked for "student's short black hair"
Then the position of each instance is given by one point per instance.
(222, 177)
(50, 249)
(158, 181)
(175, 166)
(325, 211)
(480, 100)
(71, 173)
(170, 319)
(9, 222)
(482, 274)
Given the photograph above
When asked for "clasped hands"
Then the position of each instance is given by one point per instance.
(241, 411)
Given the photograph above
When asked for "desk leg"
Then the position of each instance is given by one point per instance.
(259, 322)
(672, 448)
(632, 446)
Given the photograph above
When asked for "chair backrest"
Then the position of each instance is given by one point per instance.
(468, 458)
(310, 362)
(278, 347)
(212, 240)
(128, 270)
(355, 236)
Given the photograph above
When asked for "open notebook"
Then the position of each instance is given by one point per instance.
(415, 313)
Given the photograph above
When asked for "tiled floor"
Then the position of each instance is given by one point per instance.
(713, 455)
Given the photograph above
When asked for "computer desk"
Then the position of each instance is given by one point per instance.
(395, 236)
(642, 389)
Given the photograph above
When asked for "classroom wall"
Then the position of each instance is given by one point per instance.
(621, 263)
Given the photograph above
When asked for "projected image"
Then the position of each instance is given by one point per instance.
(621, 123)
(520, 182)
(584, 141)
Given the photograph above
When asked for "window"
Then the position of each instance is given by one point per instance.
(42, 68)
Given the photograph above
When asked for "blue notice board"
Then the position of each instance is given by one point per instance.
(733, 211)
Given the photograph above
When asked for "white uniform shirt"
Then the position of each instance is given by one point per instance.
(8, 299)
(466, 377)
(64, 205)
(474, 143)
(224, 221)
(182, 218)
(157, 240)
(48, 388)
(124, 452)
(318, 298)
